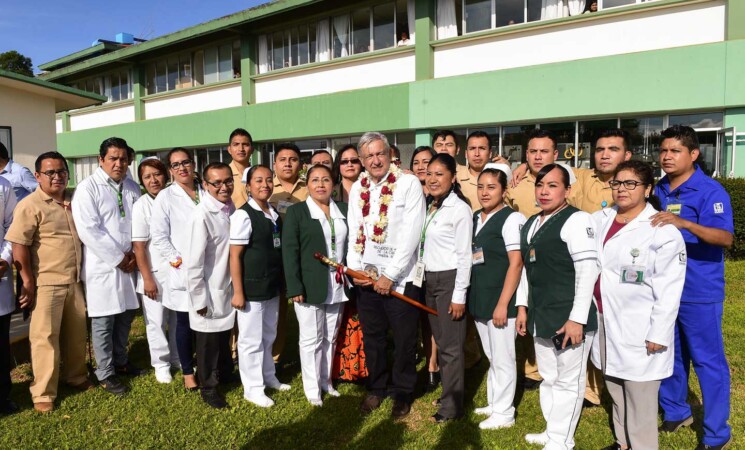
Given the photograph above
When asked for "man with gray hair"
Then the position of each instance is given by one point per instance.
(386, 214)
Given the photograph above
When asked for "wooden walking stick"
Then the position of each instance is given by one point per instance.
(363, 276)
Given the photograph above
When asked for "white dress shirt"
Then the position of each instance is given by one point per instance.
(240, 223)
(141, 215)
(336, 293)
(447, 243)
(20, 178)
(405, 219)
(7, 205)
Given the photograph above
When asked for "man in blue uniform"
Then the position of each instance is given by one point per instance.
(700, 208)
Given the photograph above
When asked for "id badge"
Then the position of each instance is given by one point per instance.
(674, 208)
(531, 255)
(282, 206)
(418, 274)
(632, 274)
(276, 240)
(478, 256)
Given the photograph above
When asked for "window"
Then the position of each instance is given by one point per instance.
(564, 133)
(115, 86)
(509, 12)
(701, 120)
(361, 31)
(341, 36)
(515, 142)
(645, 136)
(476, 15)
(614, 3)
(384, 31)
(6, 139)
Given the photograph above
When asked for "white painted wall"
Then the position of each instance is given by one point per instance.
(58, 125)
(220, 97)
(382, 71)
(86, 119)
(31, 121)
(635, 32)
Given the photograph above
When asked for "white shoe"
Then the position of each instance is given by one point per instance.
(260, 400)
(163, 375)
(537, 438)
(332, 392)
(316, 402)
(483, 411)
(495, 422)
(279, 386)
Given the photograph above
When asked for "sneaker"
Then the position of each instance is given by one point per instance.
(163, 375)
(703, 446)
(213, 398)
(278, 386)
(495, 422)
(483, 411)
(112, 385)
(331, 391)
(260, 399)
(316, 402)
(537, 438)
(671, 426)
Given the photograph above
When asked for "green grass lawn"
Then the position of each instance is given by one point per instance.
(167, 416)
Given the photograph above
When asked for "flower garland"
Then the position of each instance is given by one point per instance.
(386, 196)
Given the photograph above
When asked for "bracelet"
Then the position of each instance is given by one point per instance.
(176, 264)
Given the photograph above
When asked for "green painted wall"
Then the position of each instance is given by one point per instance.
(735, 19)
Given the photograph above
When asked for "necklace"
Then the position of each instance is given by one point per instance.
(380, 228)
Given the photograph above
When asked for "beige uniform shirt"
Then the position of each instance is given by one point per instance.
(281, 199)
(240, 190)
(468, 183)
(48, 229)
(589, 192)
(521, 198)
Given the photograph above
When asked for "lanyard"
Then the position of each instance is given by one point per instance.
(427, 221)
(333, 238)
(119, 199)
(196, 195)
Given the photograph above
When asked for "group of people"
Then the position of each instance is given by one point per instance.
(549, 265)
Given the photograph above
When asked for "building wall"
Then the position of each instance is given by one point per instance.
(32, 120)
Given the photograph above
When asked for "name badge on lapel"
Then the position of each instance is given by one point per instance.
(478, 255)
(632, 274)
(674, 208)
(418, 274)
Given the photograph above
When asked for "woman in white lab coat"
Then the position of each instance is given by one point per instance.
(151, 276)
(637, 294)
(172, 211)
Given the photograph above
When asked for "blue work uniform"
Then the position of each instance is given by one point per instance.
(698, 329)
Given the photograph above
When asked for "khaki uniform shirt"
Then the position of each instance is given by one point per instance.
(47, 227)
(521, 198)
(281, 199)
(589, 192)
(468, 183)
(240, 190)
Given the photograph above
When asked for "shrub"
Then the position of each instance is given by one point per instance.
(736, 189)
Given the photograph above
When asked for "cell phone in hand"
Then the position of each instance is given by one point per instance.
(558, 340)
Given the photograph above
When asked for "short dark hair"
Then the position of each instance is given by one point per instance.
(179, 150)
(686, 135)
(617, 133)
(548, 168)
(216, 166)
(418, 150)
(336, 171)
(240, 132)
(154, 163)
(49, 155)
(4, 152)
(314, 167)
(286, 146)
(444, 134)
(112, 142)
(320, 152)
(253, 169)
(539, 134)
(645, 172)
(480, 134)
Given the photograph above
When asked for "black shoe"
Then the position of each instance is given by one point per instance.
(213, 398)
(588, 404)
(531, 385)
(433, 383)
(370, 404)
(229, 378)
(400, 409)
(438, 418)
(671, 426)
(112, 385)
(8, 407)
(129, 370)
(615, 446)
(703, 446)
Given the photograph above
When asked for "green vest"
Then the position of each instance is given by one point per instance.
(487, 279)
(550, 277)
(262, 263)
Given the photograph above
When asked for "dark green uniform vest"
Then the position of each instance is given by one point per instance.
(487, 279)
(262, 263)
(550, 277)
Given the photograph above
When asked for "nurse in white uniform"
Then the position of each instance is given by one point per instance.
(256, 270)
(638, 295)
(172, 211)
(151, 276)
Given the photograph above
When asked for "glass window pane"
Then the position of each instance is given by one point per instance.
(302, 44)
(534, 10)
(124, 85)
(184, 71)
(406, 143)
(278, 50)
(198, 68)
(588, 134)
(514, 143)
(312, 30)
(294, 49)
(478, 15)
(236, 57)
(701, 120)
(112, 83)
(510, 12)
(384, 33)
(210, 65)
(172, 72)
(160, 77)
(564, 132)
(613, 3)
(341, 40)
(402, 19)
(226, 62)
(107, 87)
(151, 86)
(707, 142)
(361, 31)
(645, 136)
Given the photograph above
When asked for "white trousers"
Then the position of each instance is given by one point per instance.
(501, 380)
(318, 328)
(562, 391)
(158, 318)
(257, 328)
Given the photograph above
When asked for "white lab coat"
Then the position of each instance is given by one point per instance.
(207, 267)
(106, 236)
(7, 205)
(636, 313)
(170, 234)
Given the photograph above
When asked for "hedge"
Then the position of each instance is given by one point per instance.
(736, 189)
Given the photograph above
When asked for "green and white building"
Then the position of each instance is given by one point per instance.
(319, 73)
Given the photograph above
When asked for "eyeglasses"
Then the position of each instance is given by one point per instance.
(185, 163)
(61, 173)
(630, 185)
(344, 162)
(219, 184)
